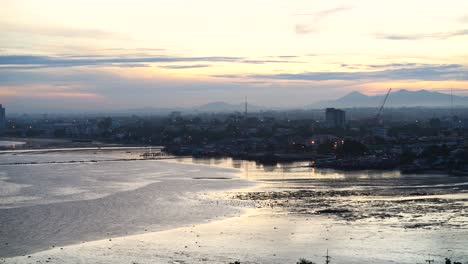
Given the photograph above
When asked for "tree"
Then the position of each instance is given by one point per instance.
(60, 132)
(434, 123)
(432, 152)
(407, 157)
(351, 148)
(305, 261)
(105, 124)
(325, 148)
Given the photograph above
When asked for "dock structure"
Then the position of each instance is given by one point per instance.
(155, 155)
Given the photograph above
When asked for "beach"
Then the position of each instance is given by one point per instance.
(220, 211)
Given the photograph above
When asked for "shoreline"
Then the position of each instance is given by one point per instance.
(349, 168)
(179, 195)
(319, 161)
(278, 239)
(273, 227)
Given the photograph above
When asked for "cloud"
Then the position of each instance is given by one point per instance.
(94, 90)
(463, 19)
(97, 90)
(184, 66)
(256, 61)
(393, 65)
(136, 49)
(426, 72)
(37, 62)
(324, 13)
(287, 56)
(436, 35)
(316, 18)
(380, 66)
(303, 29)
(67, 32)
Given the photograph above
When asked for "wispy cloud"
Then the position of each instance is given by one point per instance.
(115, 91)
(287, 56)
(435, 35)
(176, 67)
(315, 18)
(426, 72)
(56, 31)
(22, 90)
(324, 13)
(36, 62)
(136, 49)
(303, 29)
(380, 66)
(463, 19)
(262, 61)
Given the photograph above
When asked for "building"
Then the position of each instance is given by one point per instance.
(316, 140)
(380, 132)
(335, 118)
(2, 119)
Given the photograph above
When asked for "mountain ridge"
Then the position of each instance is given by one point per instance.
(400, 98)
(354, 99)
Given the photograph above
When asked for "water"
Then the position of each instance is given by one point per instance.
(295, 211)
(42, 205)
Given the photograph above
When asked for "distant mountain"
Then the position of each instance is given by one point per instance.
(213, 107)
(400, 98)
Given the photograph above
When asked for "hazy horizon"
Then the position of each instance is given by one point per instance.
(397, 99)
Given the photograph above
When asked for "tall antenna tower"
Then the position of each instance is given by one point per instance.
(451, 102)
(246, 107)
(327, 258)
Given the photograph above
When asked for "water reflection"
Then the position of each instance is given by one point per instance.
(293, 170)
(299, 175)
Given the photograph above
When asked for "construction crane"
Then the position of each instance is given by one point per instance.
(379, 113)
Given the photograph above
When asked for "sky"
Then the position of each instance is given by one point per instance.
(106, 55)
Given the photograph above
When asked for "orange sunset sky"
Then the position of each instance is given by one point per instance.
(113, 55)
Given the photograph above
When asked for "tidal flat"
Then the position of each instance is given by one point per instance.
(111, 208)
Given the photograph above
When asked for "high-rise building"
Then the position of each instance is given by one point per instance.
(2, 119)
(335, 118)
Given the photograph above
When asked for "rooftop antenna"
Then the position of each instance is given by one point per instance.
(327, 258)
(429, 260)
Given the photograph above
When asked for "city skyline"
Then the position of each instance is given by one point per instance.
(84, 55)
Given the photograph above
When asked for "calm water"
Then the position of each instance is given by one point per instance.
(43, 204)
(94, 194)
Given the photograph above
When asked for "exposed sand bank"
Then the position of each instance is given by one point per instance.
(181, 213)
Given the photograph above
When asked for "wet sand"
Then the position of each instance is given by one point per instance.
(291, 213)
(45, 205)
(260, 236)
